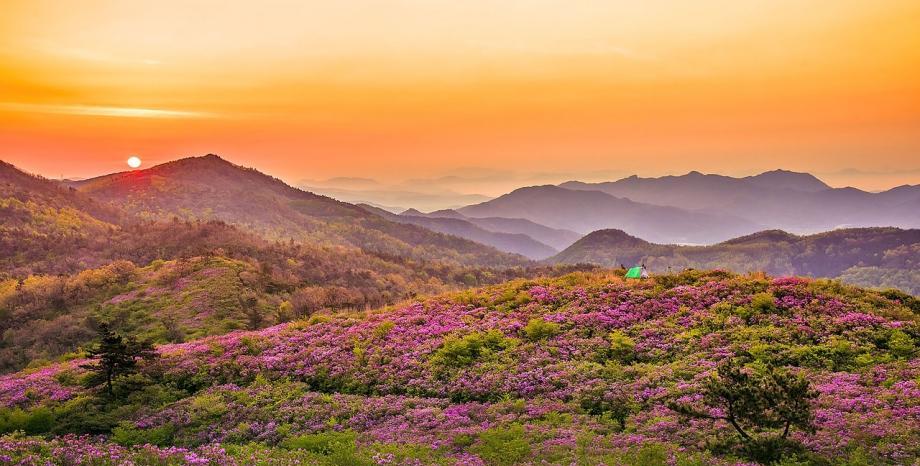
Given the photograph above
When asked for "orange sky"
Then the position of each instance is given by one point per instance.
(406, 88)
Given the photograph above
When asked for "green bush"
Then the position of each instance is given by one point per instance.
(464, 351)
(900, 344)
(383, 329)
(503, 446)
(323, 443)
(37, 420)
(622, 347)
(127, 435)
(763, 303)
(539, 329)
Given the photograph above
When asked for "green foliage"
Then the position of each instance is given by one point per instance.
(539, 329)
(466, 350)
(127, 434)
(901, 344)
(335, 448)
(115, 356)
(763, 303)
(383, 329)
(754, 402)
(503, 446)
(324, 443)
(38, 420)
(622, 347)
(616, 406)
(285, 312)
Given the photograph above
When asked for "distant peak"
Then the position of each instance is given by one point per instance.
(413, 212)
(611, 237)
(787, 179)
(209, 158)
(771, 236)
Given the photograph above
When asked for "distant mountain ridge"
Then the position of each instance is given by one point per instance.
(515, 243)
(586, 210)
(796, 202)
(557, 238)
(211, 188)
(866, 256)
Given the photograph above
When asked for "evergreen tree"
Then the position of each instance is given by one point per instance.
(115, 356)
(754, 402)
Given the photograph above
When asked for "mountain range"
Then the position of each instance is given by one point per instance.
(879, 257)
(795, 202)
(585, 211)
(211, 188)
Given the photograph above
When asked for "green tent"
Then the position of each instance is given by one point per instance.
(635, 272)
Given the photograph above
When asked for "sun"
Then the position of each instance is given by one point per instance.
(134, 161)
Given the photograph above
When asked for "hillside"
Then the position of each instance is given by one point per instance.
(175, 281)
(796, 202)
(884, 253)
(42, 219)
(211, 188)
(586, 211)
(583, 369)
(69, 262)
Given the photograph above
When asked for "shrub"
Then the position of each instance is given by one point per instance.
(127, 434)
(323, 443)
(464, 351)
(383, 329)
(763, 303)
(539, 329)
(900, 344)
(37, 420)
(616, 405)
(503, 446)
(622, 347)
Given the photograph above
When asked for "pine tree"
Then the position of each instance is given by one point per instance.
(755, 402)
(115, 356)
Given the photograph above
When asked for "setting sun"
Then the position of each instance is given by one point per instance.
(134, 161)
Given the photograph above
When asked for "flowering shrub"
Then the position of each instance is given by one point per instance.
(447, 379)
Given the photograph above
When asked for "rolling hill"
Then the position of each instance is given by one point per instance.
(886, 256)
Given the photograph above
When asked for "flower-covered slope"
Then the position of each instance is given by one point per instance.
(577, 369)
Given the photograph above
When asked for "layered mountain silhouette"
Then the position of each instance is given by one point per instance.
(795, 202)
(870, 256)
(585, 211)
(509, 242)
(517, 236)
(557, 238)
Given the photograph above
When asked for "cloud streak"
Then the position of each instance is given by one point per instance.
(100, 110)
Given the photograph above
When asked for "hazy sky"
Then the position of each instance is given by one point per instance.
(401, 89)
